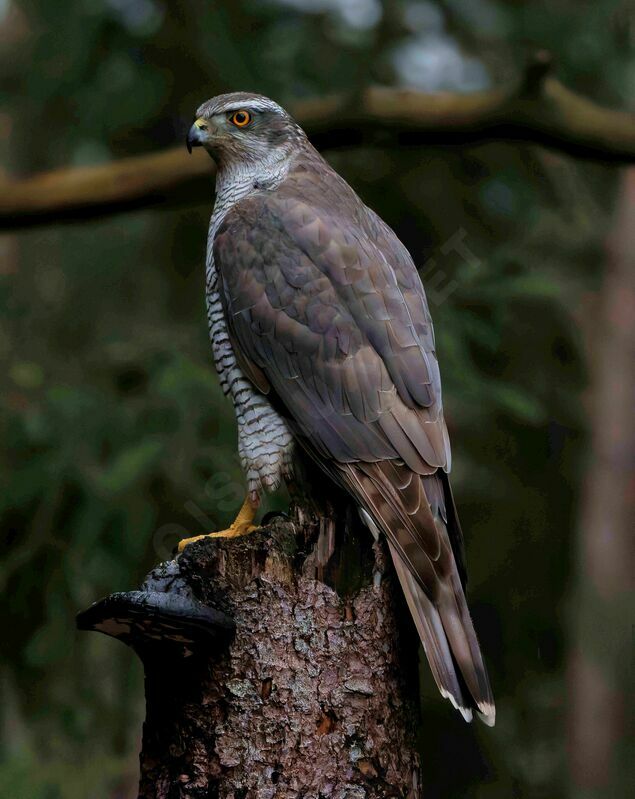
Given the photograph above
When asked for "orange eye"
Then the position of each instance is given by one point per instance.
(240, 118)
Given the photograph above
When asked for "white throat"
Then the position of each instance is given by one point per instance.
(239, 179)
(235, 181)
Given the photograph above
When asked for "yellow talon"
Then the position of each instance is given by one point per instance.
(242, 525)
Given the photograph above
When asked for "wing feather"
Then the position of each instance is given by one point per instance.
(326, 308)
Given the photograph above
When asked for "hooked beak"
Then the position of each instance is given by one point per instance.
(197, 134)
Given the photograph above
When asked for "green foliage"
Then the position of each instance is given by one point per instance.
(102, 776)
(117, 439)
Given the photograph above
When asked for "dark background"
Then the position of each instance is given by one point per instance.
(116, 439)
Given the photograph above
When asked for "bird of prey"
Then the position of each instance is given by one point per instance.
(322, 337)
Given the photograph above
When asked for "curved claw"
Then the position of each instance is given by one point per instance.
(230, 532)
(242, 525)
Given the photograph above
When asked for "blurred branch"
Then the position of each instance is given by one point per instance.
(539, 109)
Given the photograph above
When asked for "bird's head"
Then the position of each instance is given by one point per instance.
(243, 127)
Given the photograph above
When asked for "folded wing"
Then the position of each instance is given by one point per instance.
(325, 306)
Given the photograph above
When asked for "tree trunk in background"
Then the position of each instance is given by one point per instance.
(308, 698)
(601, 662)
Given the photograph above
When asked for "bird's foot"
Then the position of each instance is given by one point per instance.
(242, 525)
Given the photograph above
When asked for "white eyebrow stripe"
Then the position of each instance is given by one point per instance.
(253, 105)
(224, 104)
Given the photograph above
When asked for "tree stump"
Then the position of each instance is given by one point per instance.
(274, 667)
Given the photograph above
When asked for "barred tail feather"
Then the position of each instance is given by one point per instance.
(449, 642)
(435, 643)
(417, 515)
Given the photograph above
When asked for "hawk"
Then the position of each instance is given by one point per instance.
(322, 337)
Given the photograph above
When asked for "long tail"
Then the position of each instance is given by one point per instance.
(449, 641)
(417, 514)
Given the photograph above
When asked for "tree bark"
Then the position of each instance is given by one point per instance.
(274, 667)
(601, 660)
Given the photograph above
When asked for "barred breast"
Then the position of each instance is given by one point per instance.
(265, 443)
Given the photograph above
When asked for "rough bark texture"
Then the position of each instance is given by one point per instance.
(309, 699)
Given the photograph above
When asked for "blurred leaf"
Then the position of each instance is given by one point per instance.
(129, 466)
(111, 416)
(519, 403)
